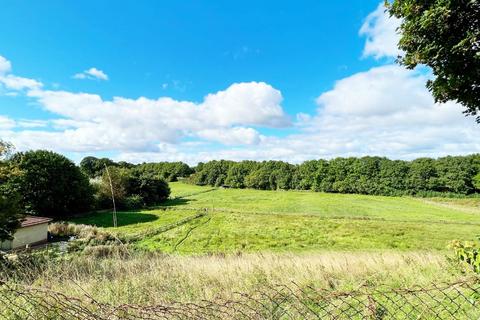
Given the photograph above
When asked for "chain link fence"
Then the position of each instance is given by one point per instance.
(451, 301)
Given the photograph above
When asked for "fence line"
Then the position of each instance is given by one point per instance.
(458, 300)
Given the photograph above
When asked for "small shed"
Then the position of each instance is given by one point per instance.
(33, 231)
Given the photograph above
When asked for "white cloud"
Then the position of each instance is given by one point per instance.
(19, 83)
(375, 93)
(92, 73)
(89, 122)
(6, 123)
(252, 103)
(381, 32)
(12, 82)
(231, 136)
(27, 123)
(5, 65)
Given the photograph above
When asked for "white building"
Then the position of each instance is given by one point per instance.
(33, 231)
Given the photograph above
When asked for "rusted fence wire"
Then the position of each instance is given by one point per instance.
(450, 301)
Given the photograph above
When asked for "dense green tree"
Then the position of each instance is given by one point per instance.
(363, 177)
(281, 176)
(10, 216)
(320, 175)
(152, 188)
(93, 167)
(338, 177)
(259, 179)
(132, 188)
(422, 175)
(238, 172)
(392, 177)
(304, 177)
(170, 171)
(212, 173)
(113, 180)
(51, 185)
(455, 175)
(10, 210)
(444, 35)
(476, 182)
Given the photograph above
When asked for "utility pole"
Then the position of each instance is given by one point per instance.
(113, 198)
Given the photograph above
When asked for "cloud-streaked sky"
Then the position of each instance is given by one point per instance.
(201, 80)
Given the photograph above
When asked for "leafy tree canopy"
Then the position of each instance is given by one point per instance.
(51, 184)
(10, 212)
(444, 35)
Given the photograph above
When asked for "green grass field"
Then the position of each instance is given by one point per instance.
(290, 221)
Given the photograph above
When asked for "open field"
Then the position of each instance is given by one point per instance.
(289, 221)
(216, 245)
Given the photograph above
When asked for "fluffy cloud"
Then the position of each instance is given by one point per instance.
(387, 110)
(88, 123)
(12, 82)
(6, 123)
(5, 66)
(92, 73)
(381, 32)
(253, 103)
(231, 136)
(19, 83)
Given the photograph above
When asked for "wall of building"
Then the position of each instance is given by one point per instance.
(28, 235)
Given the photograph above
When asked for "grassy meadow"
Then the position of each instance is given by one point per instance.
(250, 221)
(212, 244)
(152, 278)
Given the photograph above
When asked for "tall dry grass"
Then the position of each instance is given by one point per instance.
(154, 278)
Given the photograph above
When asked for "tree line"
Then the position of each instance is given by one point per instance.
(49, 184)
(365, 175)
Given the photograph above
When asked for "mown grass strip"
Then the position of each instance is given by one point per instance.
(191, 194)
(318, 216)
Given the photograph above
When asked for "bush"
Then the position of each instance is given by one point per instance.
(468, 253)
(132, 188)
(133, 202)
(85, 235)
(152, 188)
(10, 215)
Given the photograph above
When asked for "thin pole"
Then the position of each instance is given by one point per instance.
(113, 198)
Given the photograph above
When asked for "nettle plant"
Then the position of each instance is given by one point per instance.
(468, 252)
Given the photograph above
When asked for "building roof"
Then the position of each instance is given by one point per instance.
(29, 221)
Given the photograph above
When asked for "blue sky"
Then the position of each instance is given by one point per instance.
(199, 80)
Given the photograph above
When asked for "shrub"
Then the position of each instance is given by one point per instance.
(469, 253)
(133, 202)
(132, 188)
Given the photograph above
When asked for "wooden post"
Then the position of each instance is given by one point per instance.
(113, 198)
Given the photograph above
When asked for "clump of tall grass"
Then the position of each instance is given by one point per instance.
(153, 278)
(63, 229)
(83, 236)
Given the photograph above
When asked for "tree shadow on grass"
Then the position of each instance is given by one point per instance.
(124, 218)
(176, 202)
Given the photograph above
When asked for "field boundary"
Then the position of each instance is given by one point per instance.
(186, 195)
(458, 300)
(164, 228)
